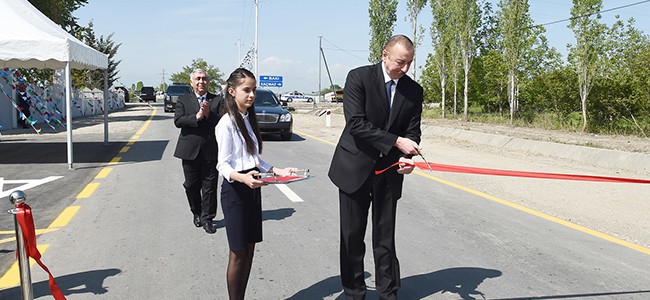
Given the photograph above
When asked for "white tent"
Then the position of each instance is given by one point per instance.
(29, 39)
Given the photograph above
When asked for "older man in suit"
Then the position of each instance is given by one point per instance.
(382, 107)
(196, 115)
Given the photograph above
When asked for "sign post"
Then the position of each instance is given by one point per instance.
(270, 81)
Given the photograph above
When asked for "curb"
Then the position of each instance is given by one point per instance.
(610, 159)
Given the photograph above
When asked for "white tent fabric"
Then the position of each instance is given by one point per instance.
(30, 40)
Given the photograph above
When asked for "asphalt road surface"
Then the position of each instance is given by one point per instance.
(124, 231)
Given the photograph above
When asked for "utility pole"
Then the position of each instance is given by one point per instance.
(257, 8)
(320, 42)
(162, 83)
(239, 58)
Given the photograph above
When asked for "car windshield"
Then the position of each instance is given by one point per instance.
(265, 98)
(178, 89)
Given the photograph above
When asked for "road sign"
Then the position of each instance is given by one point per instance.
(270, 81)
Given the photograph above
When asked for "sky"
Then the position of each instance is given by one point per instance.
(160, 37)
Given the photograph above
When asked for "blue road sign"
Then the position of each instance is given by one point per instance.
(270, 81)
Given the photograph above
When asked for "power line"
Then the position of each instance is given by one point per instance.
(348, 51)
(587, 15)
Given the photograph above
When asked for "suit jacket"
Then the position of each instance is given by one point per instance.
(197, 137)
(370, 132)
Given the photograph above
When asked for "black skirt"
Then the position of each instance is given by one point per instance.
(242, 211)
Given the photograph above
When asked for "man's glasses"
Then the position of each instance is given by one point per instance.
(201, 78)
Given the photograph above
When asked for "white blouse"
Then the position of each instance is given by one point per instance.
(232, 148)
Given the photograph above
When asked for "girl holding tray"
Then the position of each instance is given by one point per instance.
(240, 145)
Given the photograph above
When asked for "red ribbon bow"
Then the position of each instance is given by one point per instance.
(26, 222)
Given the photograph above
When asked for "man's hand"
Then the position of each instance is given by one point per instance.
(204, 111)
(406, 166)
(407, 146)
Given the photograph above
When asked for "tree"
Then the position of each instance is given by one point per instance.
(383, 15)
(441, 40)
(60, 11)
(468, 18)
(586, 54)
(515, 24)
(95, 78)
(414, 7)
(216, 77)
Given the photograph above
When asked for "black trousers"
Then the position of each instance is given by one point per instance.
(354, 210)
(201, 187)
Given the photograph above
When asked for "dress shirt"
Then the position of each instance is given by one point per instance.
(233, 155)
(200, 98)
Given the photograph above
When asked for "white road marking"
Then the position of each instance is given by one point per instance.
(29, 183)
(289, 193)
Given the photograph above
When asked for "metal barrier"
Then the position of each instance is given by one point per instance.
(17, 198)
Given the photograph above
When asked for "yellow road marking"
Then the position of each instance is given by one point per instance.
(103, 173)
(13, 232)
(314, 137)
(65, 217)
(539, 214)
(88, 190)
(11, 278)
(146, 124)
(115, 160)
(520, 207)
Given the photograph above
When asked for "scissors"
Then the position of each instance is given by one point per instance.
(424, 159)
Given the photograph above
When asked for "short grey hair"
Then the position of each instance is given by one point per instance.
(198, 71)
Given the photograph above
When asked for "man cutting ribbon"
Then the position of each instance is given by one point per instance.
(382, 107)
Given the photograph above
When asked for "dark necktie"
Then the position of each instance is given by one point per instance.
(201, 98)
(389, 87)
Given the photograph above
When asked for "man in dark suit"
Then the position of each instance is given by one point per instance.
(196, 115)
(382, 107)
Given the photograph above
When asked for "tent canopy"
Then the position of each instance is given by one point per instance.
(28, 39)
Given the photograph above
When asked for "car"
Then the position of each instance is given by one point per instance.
(147, 93)
(272, 118)
(173, 93)
(296, 96)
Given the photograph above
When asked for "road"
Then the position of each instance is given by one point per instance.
(132, 237)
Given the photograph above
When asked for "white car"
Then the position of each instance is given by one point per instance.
(296, 96)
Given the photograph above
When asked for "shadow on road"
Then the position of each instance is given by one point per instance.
(461, 281)
(91, 282)
(84, 152)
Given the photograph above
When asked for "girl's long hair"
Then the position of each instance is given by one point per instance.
(235, 79)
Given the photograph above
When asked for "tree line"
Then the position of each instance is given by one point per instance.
(495, 63)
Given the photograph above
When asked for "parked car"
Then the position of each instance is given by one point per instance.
(296, 96)
(147, 94)
(272, 118)
(173, 93)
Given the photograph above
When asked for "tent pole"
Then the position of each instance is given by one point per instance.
(106, 96)
(68, 112)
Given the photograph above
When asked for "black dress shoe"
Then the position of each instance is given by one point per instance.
(197, 221)
(209, 228)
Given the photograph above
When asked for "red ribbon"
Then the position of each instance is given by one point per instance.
(26, 222)
(497, 172)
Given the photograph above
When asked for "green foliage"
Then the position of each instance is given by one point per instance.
(60, 11)
(586, 55)
(95, 78)
(383, 15)
(216, 77)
